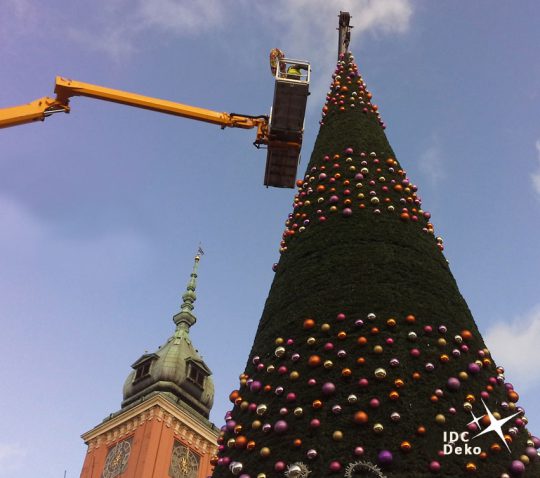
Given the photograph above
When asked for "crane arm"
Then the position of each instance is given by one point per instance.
(66, 89)
(37, 110)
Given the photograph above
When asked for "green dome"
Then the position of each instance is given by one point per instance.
(176, 368)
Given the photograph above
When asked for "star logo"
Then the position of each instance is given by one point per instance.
(494, 424)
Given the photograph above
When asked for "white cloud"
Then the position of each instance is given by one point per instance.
(303, 23)
(11, 455)
(514, 345)
(19, 17)
(535, 177)
(121, 24)
(181, 17)
(431, 164)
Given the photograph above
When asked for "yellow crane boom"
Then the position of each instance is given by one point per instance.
(65, 89)
(282, 135)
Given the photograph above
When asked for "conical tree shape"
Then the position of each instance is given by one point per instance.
(367, 361)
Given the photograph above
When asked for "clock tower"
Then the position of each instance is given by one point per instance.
(162, 429)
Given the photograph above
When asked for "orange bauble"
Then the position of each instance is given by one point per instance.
(361, 417)
(513, 396)
(234, 395)
(466, 334)
(314, 361)
(495, 448)
(393, 395)
(240, 442)
(405, 446)
(410, 319)
(362, 340)
(309, 324)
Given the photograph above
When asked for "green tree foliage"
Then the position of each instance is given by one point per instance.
(367, 357)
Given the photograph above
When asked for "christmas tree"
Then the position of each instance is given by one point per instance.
(367, 361)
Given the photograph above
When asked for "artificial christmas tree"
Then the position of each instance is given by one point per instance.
(367, 361)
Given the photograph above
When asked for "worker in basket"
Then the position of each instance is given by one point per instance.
(276, 55)
(294, 73)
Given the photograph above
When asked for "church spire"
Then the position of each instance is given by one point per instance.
(186, 316)
(176, 369)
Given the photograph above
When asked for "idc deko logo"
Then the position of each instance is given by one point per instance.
(456, 443)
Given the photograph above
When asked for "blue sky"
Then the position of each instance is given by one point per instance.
(103, 210)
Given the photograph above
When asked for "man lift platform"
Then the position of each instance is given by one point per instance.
(282, 133)
(286, 125)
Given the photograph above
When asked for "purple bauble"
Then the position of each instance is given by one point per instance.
(434, 466)
(473, 367)
(230, 425)
(328, 346)
(453, 384)
(530, 451)
(335, 466)
(315, 423)
(281, 426)
(347, 212)
(536, 442)
(385, 457)
(363, 382)
(255, 386)
(517, 468)
(328, 388)
(280, 466)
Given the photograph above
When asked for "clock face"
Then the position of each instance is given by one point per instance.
(117, 459)
(184, 463)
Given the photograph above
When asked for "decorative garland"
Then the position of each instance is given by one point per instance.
(297, 470)
(376, 472)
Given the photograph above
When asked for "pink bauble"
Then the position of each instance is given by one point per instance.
(328, 388)
(281, 426)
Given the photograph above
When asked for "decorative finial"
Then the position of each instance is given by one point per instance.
(185, 316)
(344, 36)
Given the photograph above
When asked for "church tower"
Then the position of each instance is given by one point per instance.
(162, 429)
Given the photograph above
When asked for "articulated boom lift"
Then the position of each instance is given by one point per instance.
(281, 134)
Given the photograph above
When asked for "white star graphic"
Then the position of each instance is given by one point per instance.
(496, 425)
(476, 421)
